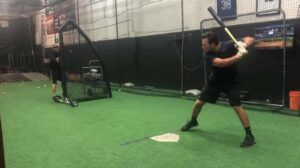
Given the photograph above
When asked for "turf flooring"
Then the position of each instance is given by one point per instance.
(111, 133)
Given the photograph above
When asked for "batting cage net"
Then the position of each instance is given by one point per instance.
(154, 46)
(144, 54)
(84, 74)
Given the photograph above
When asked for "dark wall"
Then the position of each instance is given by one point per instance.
(152, 60)
(16, 39)
(293, 61)
(5, 42)
(4, 45)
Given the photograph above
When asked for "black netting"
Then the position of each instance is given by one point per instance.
(85, 75)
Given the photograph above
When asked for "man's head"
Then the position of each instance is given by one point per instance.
(210, 42)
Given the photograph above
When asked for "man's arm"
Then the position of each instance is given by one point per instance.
(224, 62)
(245, 42)
(248, 41)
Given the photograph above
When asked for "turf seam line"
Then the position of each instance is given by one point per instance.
(145, 138)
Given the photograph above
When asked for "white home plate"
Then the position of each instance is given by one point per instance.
(168, 137)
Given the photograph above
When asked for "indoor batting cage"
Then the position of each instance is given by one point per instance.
(84, 75)
(154, 47)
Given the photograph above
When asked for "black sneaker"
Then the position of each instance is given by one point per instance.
(248, 141)
(189, 125)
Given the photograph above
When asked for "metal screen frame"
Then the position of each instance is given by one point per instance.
(94, 50)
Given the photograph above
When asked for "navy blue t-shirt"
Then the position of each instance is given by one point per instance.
(223, 75)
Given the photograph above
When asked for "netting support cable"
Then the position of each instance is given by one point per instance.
(92, 46)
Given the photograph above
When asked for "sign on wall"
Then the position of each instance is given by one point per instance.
(56, 16)
(227, 9)
(264, 5)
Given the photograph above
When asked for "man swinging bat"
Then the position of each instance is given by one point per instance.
(223, 57)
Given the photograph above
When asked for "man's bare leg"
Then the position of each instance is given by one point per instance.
(53, 89)
(249, 139)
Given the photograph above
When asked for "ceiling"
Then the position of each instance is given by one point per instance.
(10, 9)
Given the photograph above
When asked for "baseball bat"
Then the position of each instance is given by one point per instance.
(221, 23)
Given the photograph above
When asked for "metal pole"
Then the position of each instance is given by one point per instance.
(92, 13)
(17, 59)
(204, 62)
(43, 41)
(284, 60)
(9, 59)
(12, 60)
(2, 160)
(24, 59)
(21, 59)
(77, 4)
(31, 45)
(117, 43)
(182, 48)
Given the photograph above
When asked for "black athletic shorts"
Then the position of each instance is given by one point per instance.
(56, 76)
(210, 94)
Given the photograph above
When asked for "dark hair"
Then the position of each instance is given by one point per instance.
(211, 36)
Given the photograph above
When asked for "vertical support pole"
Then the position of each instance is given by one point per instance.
(284, 60)
(2, 159)
(117, 43)
(182, 49)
